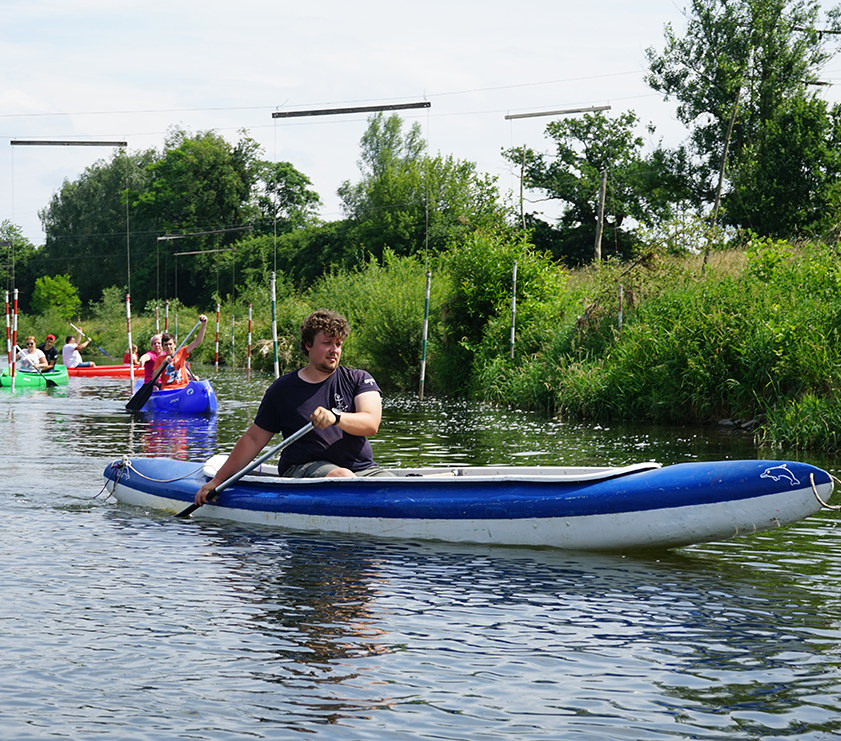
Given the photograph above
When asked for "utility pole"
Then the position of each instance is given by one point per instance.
(600, 224)
(721, 173)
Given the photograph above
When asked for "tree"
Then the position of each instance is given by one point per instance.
(786, 181)
(407, 201)
(57, 295)
(639, 188)
(200, 184)
(85, 225)
(284, 199)
(480, 277)
(759, 54)
(16, 261)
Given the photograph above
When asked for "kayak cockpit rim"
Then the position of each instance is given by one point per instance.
(559, 474)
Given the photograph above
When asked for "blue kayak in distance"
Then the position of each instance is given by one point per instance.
(642, 506)
(197, 397)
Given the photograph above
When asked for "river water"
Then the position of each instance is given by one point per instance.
(118, 623)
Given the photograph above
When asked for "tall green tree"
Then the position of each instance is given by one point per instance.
(409, 202)
(19, 267)
(284, 199)
(201, 182)
(750, 58)
(200, 190)
(56, 294)
(200, 186)
(640, 188)
(85, 224)
(786, 184)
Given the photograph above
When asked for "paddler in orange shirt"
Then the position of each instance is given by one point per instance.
(177, 372)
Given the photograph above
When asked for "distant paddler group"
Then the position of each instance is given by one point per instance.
(169, 383)
(37, 365)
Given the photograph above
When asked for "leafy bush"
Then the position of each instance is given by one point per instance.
(56, 296)
(481, 282)
(810, 422)
(111, 306)
(384, 304)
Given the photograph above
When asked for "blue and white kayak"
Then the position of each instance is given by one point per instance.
(592, 509)
(197, 397)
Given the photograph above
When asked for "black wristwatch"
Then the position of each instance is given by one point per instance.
(337, 414)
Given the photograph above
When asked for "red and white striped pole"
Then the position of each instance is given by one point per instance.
(15, 321)
(8, 332)
(14, 337)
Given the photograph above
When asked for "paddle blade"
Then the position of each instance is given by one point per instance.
(144, 393)
(138, 401)
(187, 511)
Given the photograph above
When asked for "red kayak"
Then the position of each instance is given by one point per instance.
(105, 370)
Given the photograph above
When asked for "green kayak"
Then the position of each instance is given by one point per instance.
(34, 380)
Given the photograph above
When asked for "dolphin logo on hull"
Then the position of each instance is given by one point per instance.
(779, 472)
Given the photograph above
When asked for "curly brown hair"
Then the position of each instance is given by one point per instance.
(331, 323)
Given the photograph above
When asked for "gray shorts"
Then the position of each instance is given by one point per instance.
(319, 469)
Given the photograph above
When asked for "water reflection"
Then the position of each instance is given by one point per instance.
(187, 437)
(313, 593)
(346, 627)
(200, 630)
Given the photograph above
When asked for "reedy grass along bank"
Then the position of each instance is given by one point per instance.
(383, 302)
(752, 336)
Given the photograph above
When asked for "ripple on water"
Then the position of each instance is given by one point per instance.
(125, 624)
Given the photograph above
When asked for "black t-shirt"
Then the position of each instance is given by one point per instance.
(52, 353)
(288, 404)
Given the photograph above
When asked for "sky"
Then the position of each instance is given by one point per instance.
(99, 70)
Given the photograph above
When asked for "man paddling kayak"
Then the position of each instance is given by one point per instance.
(70, 352)
(343, 404)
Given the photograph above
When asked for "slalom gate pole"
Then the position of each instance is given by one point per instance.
(249, 341)
(8, 332)
(128, 329)
(425, 334)
(274, 328)
(216, 361)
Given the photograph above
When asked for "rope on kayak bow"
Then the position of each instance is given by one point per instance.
(127, 464)
(823, 504)
(116, 471)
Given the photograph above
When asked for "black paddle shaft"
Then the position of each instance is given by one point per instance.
(144, 393)
(186, 512)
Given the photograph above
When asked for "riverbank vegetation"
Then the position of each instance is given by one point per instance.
(751, 335)
(712, 297)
